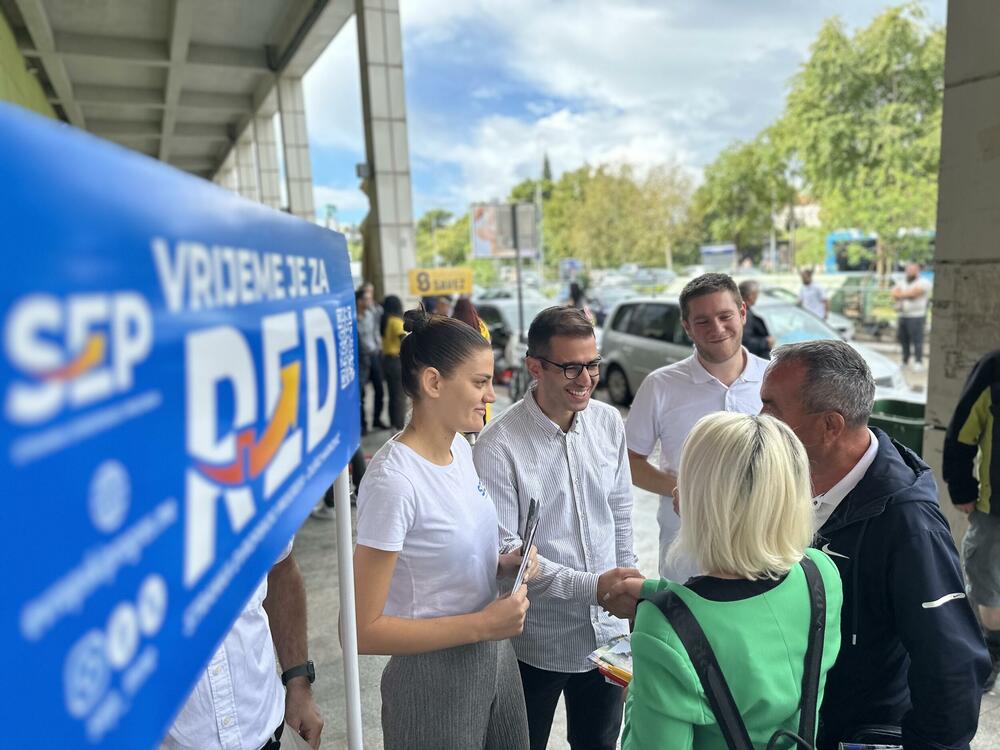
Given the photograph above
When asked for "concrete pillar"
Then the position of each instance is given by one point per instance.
(268, 175)
(246, 166)
(389, 231)
(966, 304)
(295, 139)
(227, 176)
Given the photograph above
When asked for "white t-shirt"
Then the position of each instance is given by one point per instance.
(916, 307)
(813, 298)
(669, 403)
(442, 522)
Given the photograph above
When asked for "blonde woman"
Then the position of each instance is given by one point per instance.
(743, 494)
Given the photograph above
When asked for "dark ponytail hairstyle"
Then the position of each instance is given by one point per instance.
(434, 341)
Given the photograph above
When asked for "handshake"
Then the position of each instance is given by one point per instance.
(618, 591)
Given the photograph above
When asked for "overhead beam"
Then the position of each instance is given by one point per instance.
(147, 52)
(37, 22)
(193, 163)
(154, 98)
(180, 41)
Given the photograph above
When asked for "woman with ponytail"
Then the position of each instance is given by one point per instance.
(427, 561)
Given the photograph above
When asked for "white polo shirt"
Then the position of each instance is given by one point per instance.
(825, 504)
(669, 403)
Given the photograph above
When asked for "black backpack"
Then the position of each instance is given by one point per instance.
(714, 683)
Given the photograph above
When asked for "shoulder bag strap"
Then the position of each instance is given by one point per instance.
(814, 650)
(707, 666)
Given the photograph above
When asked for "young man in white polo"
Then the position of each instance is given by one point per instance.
(721, 375)
(567, 451)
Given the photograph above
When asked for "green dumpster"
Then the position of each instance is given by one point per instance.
(902, 420)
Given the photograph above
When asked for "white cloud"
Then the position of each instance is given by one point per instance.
(333, 94)
(644, 82)
(346, 200)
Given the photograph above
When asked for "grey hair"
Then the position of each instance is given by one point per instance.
(748, 288)
(837, 378)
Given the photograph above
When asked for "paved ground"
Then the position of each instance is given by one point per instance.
(316, 552)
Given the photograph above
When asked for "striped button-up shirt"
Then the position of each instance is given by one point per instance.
(583, 486)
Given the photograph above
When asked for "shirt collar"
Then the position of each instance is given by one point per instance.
(542, 419)
(752, 373)
(842, 489)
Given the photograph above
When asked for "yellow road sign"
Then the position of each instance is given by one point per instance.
(432, 281)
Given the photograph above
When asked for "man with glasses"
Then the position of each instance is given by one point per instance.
(569, 453)
(721, 375)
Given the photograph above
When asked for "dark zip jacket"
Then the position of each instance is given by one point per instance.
(911, 653)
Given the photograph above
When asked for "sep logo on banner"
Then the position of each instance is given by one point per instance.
(177, 388)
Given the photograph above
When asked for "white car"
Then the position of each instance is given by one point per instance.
(645, 333)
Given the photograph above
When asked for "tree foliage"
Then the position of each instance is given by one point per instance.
(863, 119)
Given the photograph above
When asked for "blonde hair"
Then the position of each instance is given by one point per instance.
(745, 497)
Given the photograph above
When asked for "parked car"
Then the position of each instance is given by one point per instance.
(842, 325)
(645, 333)
(500, 316)
(603, 300)
(653, 277)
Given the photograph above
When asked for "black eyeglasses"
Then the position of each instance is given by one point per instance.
(572, 371)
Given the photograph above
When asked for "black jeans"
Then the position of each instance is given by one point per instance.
(593, 707)
(393, 370)
(911, 336)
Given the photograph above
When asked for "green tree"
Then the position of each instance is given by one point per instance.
(742, 190)
(864, 117)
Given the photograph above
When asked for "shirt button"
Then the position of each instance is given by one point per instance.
(228, 721)
(216, 671)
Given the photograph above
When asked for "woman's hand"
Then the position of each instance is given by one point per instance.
(510, 562)
(623, 598)
(504, 618)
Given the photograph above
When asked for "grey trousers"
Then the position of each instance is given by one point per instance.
(460, 698)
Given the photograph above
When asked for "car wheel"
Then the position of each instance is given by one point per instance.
(618, 388)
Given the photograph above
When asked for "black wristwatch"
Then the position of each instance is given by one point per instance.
(306, 670)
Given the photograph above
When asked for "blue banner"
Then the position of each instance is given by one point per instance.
(177, 385)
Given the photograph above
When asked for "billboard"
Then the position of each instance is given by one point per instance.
(177, 385)
(499, 229)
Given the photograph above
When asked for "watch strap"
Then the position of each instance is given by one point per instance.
(302, 670)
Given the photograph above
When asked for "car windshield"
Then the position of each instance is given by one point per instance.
(790, 324)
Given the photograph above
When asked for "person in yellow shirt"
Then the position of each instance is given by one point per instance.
(392, 337)
(467, 313)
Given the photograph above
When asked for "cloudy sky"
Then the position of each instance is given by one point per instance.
(494, 84)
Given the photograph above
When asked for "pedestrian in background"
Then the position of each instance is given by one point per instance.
(468, 314)
(428, 558)
(743, 494)
(812, 296)
(578, 299)
(567, 450)
(912, 295)
(756, 337)
(971, 468)
(370, 345)
(392, 338)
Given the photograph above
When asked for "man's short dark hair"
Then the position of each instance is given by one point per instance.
(708, 283)
(557, 321)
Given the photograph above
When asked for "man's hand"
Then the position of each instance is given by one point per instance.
(511, 562)
(966, 508)
(623, 598)
(301, 713)
(607, 581)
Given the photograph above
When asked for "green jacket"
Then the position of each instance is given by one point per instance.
(760, 644)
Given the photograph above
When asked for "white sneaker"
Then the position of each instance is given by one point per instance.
(323, 513)
(917, 367)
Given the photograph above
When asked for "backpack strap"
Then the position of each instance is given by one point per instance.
(814, 650)
(713, 682)
(707, 666)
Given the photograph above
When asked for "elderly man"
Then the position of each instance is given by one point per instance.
(912, 654)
